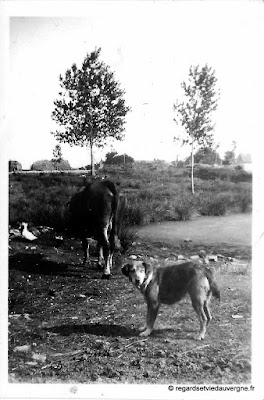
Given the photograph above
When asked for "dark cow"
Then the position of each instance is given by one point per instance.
(97, 212)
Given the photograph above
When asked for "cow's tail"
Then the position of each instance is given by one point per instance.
(213, 285)
(120, 212)
(111, 186)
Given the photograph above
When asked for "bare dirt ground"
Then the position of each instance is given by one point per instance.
(68, 325)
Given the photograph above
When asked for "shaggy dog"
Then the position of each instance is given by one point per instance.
(169, 284)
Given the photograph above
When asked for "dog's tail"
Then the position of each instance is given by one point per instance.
(213, 286)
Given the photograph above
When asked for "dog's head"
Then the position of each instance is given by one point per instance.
(137, 272)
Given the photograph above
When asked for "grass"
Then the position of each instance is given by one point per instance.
(155, 193)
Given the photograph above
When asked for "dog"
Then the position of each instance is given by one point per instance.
(169, 284)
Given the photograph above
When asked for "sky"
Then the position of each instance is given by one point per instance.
(150, 47)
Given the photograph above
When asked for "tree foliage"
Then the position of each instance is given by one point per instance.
(114, 158)
(48, 165)
(91, 105)
(195, 111)
(207, 155)
(229, 157)
(57, 156)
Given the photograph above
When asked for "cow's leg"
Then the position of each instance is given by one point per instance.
(100, 251)
(112, 243)
(85, 246)
(107, 254)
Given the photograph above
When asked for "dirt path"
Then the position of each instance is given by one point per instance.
(231, 230)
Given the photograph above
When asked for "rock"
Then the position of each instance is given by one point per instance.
(39, 357)
(212, 258)
(162, 363)
(59, 238)
(160, 353)
(188, 240)
(22, 349)
(202, 253)
(27, 317)
(181, 257)
(195, 257)
(133, 257)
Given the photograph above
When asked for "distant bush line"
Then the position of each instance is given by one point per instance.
(155, 193)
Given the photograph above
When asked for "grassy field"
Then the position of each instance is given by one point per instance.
(154, 192)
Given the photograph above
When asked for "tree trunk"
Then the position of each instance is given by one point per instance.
(91, 156)
(192, 167)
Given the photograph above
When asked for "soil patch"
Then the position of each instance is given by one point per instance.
(67, 325)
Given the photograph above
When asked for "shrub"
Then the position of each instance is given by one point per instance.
(135, 215)
(215, 204)
(47, 165)
(184, 207)
(14, 166)
(223, 173)
(244, 201)
(127, 237)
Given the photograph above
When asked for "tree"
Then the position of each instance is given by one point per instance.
(91, 106)
(114, 158)
(57, 156)
(194, 112)
(230, 156)
(206, 155)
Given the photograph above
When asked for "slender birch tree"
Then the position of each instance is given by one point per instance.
(194, 112)
(90, 107)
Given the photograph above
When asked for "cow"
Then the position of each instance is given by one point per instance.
(97, 212)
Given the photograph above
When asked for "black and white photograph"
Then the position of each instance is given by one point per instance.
(131, 206)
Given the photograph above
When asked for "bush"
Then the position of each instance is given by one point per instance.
(14, 166)
(223, 173)
(215, 204)
(135, 215)
(47, 165)
(244, 201)
(127, 237)
(184, 207)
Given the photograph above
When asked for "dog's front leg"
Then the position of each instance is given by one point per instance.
(152, 313)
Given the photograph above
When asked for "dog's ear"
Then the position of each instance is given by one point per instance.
(147, 266)
(125, 269)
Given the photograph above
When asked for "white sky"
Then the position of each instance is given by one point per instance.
(150, 46)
